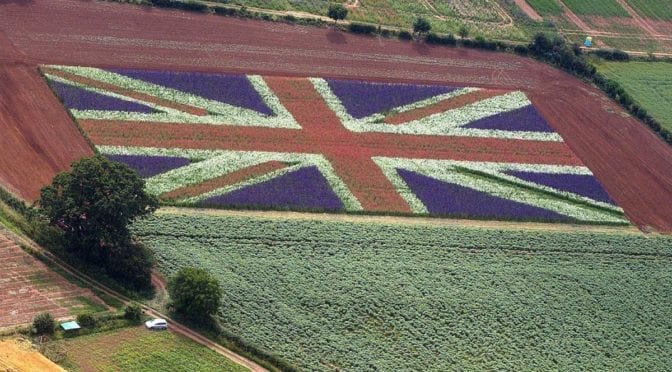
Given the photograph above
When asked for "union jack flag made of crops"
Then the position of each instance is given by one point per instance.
(266, 142)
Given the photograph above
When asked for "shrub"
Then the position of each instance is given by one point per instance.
(44, 323)
(133, 311)
(337, 12)
(441, 40)
(86, 320)
(186, 5)
(225, 11)
(421, 26)
(405, 35)
(362, 28)
(612, 54)
(521, 50)
(195, 293)
(463, 32)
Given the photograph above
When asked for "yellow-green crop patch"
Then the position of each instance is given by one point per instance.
(137, 349)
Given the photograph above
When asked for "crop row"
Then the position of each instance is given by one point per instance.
(356, 296)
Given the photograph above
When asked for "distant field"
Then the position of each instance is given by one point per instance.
(484, 17)
(654, 9)
(546, 7)
(137, 349)
(650, 84)
(357, 296)
(604, 8)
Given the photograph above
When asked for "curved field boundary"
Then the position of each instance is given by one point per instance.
(624, 155)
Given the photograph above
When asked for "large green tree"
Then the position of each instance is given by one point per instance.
(94, 204)
(195, 293)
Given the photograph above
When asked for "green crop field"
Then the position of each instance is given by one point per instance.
(329, 295)
(482, 16)
(137, 349)
(650, 84)
(604, 8)
(546, 7)
(654, 9)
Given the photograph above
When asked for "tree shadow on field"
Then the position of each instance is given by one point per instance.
(17, 2)
(336, 37)
(422, 48)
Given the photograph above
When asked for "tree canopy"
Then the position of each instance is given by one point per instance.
(464, 31)
(93, 204)
(337, 12)
(195, 293)
(421, 26)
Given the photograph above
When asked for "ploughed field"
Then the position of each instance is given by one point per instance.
(28, 287)
(328, 295)
(577, 127)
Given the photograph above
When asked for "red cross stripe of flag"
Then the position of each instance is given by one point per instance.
(238, 141)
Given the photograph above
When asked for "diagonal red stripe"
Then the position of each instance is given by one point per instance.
(445, 105)
(225, 180)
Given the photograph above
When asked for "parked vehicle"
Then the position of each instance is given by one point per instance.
(158, 324)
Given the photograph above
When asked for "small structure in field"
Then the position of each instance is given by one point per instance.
(70, 326)
(589, 42)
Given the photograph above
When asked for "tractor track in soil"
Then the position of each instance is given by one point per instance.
(624, 155)
(528, 10)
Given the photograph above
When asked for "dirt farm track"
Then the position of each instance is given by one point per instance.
(38, 138)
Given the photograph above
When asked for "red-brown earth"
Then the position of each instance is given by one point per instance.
(634, 165)
(29, 287)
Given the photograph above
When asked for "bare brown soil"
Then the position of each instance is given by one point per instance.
(28, 287)
(633, 164)
(20, 356)
(662, 27)
(525, 7)
(37, 137)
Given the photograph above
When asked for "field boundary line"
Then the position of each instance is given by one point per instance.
(174, 325)
(400, 220)
(574, 18)
(529, 10)
(641, 22)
